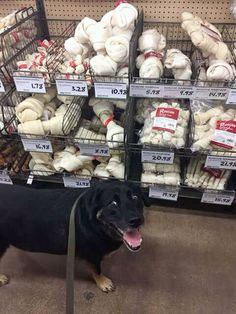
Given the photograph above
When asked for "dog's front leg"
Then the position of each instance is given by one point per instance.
(3, 278)
(104, 283)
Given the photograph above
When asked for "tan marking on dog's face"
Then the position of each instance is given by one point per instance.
(3, 280)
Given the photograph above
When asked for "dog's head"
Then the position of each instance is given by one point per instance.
(118, 207)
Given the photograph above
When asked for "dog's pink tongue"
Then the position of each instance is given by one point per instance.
(133, 238)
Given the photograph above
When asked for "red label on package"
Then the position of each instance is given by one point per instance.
(225, 134)
(216, 173)
(166, 119)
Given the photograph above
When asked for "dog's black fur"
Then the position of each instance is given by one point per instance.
(37, 220)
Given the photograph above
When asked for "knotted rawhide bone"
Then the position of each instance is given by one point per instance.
(151, 40)
(151, 67)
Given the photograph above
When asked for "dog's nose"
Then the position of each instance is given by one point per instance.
(135, 222)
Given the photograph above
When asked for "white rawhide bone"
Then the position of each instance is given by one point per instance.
(116, 167)
(29, 109)
(123, 73)
(220, 70)
(103, 65)
(86, 136)
(81, 34)
(206, 37)
(107, 18)
(104, 110)
(31, 127)
(151, 39)
(70, 162)
(124, 15)
(127, 33)
(151, 67)
(73, 47)
(117, 47)
(98, 35)
(46, 98)
(179, 63)
(203, 117)
(101, 172)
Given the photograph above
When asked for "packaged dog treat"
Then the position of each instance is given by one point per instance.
(166, 125)
(213, 127)
(199, 176)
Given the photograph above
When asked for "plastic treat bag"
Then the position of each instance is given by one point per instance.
(166, 125)
(170, 174)
(213, 127)
(199, 176)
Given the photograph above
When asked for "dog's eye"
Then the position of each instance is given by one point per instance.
(114, 203)
(134, 197)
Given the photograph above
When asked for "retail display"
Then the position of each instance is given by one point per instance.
(102, 133)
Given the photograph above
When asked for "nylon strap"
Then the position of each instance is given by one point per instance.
(70, 263)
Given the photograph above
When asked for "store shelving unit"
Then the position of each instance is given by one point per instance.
(49, 23)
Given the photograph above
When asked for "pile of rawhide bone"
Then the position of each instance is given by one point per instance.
(161, 174)
(106, 42)
(165, 123)
(41, 115)
(214, 128)
(71, 161)
(208, 39)
(153, 58)
(199, 176)
(17, 38)
(110, 132)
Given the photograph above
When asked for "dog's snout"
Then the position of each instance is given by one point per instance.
(135, 222)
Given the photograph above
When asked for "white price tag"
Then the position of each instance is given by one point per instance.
(40, 146)
(165, 193)
(72, 88)
(110, 90)
(76, 182)
(231, 100)
(2, 88)
(30, 178)
(4, 178)
(157, 157)
(220, 198)
(178, 91)
(211, 93)
(147, 91)
(94, 150)
(220, 162)
(29, 84)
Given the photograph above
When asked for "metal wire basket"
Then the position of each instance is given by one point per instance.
(10, 121)
(16, 38)
(177, 38)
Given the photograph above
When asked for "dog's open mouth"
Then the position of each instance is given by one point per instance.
(132, 239)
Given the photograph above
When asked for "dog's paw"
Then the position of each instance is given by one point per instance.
(105, 284)
(3, 280)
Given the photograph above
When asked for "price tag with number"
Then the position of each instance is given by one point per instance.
(217, 197)
(76, 182)
(110, 90)
(220, 162)
(94, 150)
(211, 93)
(2, 88)
(30, 84)
(72, 87)
(40, 146)
(178, 91)
(165, 193)
(4, 178)
(158, 157)
(231, 100)
(147, 91)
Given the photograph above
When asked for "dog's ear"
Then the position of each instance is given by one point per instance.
(137, 189)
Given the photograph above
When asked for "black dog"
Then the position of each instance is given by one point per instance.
(109, 214)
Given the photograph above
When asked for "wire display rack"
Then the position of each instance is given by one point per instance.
(177, 38)
(15, 38)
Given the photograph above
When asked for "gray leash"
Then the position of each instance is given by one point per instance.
(70, 263)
